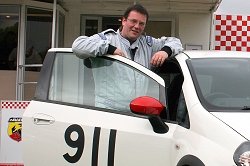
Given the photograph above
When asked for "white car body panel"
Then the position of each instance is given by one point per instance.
(115, 138)
(238, 121)
(87, 118)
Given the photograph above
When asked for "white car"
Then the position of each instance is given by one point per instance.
(192, 111)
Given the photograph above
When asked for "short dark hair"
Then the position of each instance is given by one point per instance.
(137, 7)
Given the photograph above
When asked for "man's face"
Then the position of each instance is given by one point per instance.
(133, 26)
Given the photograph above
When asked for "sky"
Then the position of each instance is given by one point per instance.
(241, 7)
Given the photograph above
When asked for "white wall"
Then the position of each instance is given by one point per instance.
(8, 85)
(234, 7)
(72, 29)
(194, 29)
(190, 28)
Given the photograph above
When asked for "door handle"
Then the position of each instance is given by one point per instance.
(43, 119)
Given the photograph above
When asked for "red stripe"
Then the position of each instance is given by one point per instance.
(11, 164)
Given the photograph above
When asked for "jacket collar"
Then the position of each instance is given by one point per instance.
(126, 42)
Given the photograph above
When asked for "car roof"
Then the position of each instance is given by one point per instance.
(60, 50)
(216, 54)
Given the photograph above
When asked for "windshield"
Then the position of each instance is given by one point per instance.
(222, 83)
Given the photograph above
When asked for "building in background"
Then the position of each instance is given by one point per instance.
(232, 26)
(56, 23)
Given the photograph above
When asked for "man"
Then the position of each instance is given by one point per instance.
(128, 42)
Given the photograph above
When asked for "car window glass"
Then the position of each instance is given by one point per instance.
(68, 79)
(222, 83)
(182, 114)
(173, 94)
(99, 82)
(206, 83)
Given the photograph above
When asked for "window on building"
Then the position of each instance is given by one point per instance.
(9, 19)
(38, 34)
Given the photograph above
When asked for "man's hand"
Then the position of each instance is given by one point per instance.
(119, 52)
(158, 58)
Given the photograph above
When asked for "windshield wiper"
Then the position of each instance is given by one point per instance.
(246, 108)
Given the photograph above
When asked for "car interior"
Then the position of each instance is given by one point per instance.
(176, 107)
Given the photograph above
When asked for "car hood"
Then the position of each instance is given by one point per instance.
(238, 121)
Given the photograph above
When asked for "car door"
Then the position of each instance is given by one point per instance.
(80, 114)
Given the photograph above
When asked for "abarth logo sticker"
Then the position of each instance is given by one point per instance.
(15, 128)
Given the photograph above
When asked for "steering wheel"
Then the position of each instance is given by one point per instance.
(214, 95)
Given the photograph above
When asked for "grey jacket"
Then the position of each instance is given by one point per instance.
(98, 44)
(115, 84)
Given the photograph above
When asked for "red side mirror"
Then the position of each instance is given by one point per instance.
(146, 105)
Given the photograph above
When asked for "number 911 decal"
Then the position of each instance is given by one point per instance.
(80, 142)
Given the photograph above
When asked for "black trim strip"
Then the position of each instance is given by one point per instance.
(111, 150)
(43, 83)
(95, 148)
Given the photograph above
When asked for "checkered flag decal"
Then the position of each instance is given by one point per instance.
(15, 104)
(232, 33)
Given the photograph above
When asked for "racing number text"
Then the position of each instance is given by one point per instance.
(79, 144)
